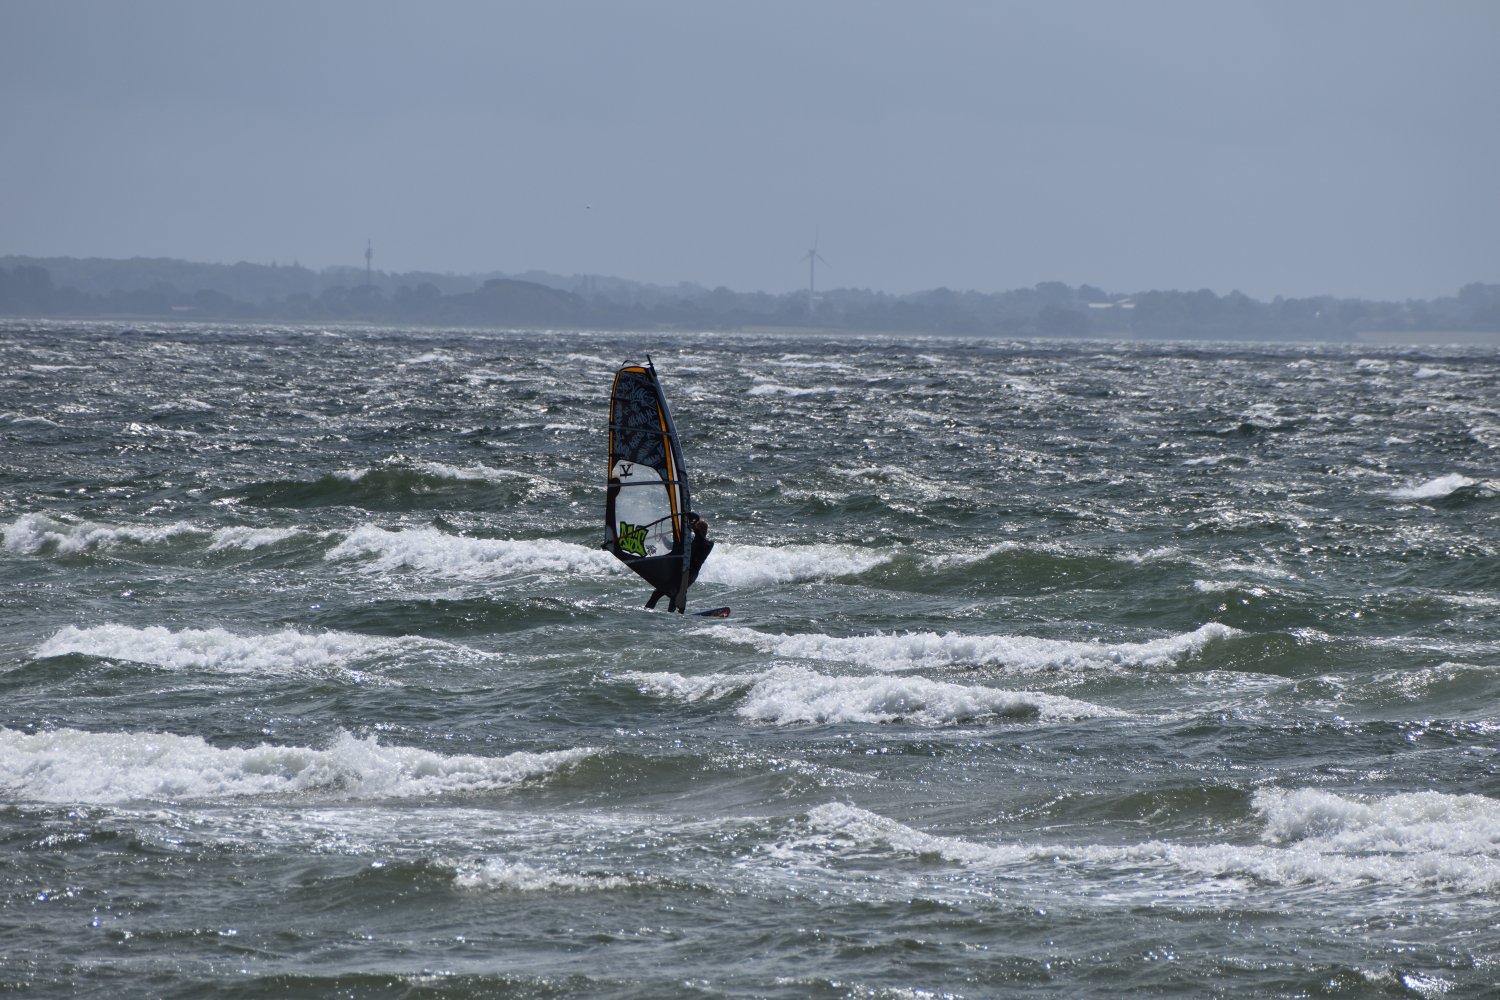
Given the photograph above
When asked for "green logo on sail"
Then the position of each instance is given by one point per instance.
(632, 539)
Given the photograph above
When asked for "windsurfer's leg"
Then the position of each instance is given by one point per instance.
(656, 595)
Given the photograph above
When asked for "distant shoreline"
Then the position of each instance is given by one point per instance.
(166, 290)
(1429, 338)
(1372, 338)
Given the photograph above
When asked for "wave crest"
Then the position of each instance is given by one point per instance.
(68, 765)
(790, 695)
(1021, 654)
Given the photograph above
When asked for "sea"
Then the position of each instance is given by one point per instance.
(1054, 669)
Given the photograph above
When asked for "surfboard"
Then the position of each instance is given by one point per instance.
(713, 613)
(646, 497)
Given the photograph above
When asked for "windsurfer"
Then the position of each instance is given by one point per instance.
(702, 546)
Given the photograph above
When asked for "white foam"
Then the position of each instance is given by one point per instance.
(806, 361)
(515, 876)
(705, 687)
(470, 473)
(32, 534)
(789, 695)
(185, 405)
(875, 471)
(137, 429)
(776, 389)
(487, 474)
(1220, 586)
(838, 822)
(68, 765)
(1024, 654)
(1412, 846)
(1410, 822)
(951, 559)
(754, 565)
(1264, 569)
(249, 539)
(438, 470)
(437, 553)
(20, 420)
(1434, 489)
(284, 653)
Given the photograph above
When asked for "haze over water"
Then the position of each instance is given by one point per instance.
(1056, 668)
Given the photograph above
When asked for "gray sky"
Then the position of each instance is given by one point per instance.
(1293, 148)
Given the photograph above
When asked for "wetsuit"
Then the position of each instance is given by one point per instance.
(701, 548)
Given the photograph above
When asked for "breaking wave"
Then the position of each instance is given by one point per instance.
(437, 553)
(284, 653)
(515, 876)
(758, 565)
(1022, 654)
(1436, 489)
(38, 534)
(68, 765)
(1317, 838)
(789, 695)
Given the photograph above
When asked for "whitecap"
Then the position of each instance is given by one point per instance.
(1021, 654)
(185, 405)
(1205, 871)
(776, 389)
(806, 361)
(430, 551)
(1222, 586)
(137, 429)
(69, 765)
(248, 538)
(838, 823)
(33, 534)
(789, 695)
(755, 565)
(1404, 823)
(468, 473)
(216, 650)
(22, 420)
(954, 559)
(1434, 489)
(515, 876)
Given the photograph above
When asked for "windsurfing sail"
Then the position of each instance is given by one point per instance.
(646, 500)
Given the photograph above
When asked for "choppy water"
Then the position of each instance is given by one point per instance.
(1056, 669)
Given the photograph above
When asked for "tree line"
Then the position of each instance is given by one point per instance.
(158, 289)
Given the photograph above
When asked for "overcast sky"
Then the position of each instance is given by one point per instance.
(1278, 148)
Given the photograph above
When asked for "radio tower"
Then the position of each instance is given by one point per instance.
(369, 258)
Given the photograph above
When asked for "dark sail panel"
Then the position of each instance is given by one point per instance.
(646, 500)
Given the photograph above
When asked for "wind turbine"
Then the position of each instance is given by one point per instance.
(812, 259)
